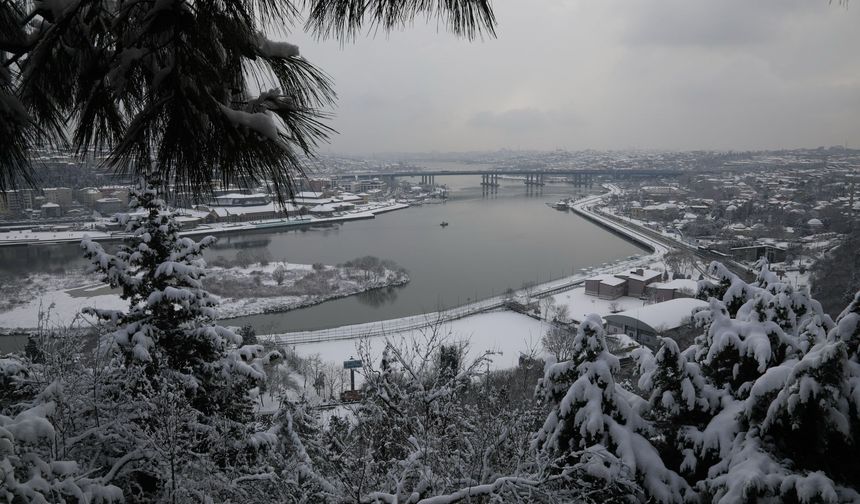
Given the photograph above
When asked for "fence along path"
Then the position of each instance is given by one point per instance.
(417, 322)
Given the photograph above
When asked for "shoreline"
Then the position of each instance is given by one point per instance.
(62, 306)
(581, 208)
(413, 322)
(50, 238)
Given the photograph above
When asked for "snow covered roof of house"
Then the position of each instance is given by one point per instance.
(240, 210)
(193, 212)
(663, 316)
(323, 208)
(610, 280)
(644, 276)
(309, 195)
(50, 205)
(661, 206)
(678, 283)
(242, 196)
(346, 196)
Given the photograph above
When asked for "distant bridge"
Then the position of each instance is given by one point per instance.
(532, 176)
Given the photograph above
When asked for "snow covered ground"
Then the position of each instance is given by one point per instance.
(61, 307)
(507, 333)
(579, 304)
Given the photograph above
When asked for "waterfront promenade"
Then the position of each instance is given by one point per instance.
(35, 237)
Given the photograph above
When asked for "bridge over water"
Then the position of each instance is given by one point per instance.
(532, 176)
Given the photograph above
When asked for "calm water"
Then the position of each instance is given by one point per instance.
(494, 241)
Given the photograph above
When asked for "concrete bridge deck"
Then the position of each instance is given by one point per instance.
(523, 171)
(531, 176)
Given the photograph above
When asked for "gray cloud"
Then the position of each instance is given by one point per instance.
(609, 74)
(519, 120)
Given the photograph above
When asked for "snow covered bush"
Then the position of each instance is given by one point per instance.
(54, 414)
(763, 407)
(30, 470)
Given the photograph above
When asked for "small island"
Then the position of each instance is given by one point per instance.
(247, 285)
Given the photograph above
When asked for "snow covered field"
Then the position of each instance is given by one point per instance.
(507, 333)
(579, 304)
(60, 306)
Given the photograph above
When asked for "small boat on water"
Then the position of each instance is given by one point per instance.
(444, 224)
(562, 204)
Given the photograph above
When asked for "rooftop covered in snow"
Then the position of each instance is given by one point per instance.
(659, 317)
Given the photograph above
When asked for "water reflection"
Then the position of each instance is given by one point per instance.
(378, 297)
(496, 239)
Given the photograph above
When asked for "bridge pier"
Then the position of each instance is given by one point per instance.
(582, 179)
(534, 179)
(490, 179)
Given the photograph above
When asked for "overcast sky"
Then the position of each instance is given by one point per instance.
(605, 74)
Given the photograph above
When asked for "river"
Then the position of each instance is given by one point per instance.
(494, 241)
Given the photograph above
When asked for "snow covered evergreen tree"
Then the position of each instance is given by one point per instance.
(750, 328)
(675, 386)
(169, 326)
(786, 422)
(803, 423)
(300, 459)
(591, 411)
(679, 398)
(171, 354)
